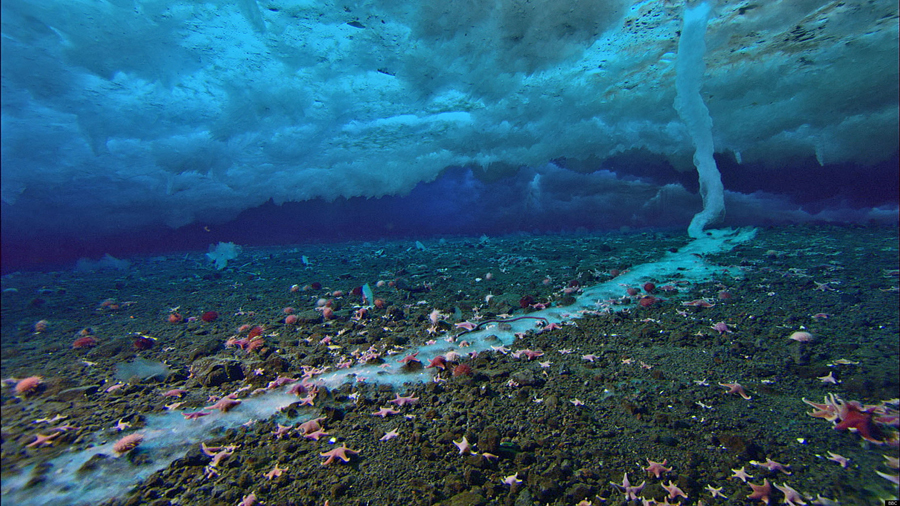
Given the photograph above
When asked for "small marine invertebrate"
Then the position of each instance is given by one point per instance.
(462, 370)
(84, 342)
(29, 385)
(142, 343)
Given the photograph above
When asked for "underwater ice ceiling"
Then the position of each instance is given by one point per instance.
(122, 113)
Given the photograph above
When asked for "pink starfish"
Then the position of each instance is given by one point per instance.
(315, 435)
(194, 415)
(410, 358)
(225, 404)
(310, 425)
(771, 465)
(631, 491)
(282, 430)
(403, 401)
(791, 496)
(674, 491)
(340, 452)
(275, 472)
(656, 468)
(511, 480)
(391, 434)
(383, 412)
(721, 328)
(464, 445)
(41, 440)
(529, 354)
(735, 388)
(741, 475)
(761, 492)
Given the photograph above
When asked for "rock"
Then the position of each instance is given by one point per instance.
(467, 498)
(72, 394)
(489, 440)
(212, 371)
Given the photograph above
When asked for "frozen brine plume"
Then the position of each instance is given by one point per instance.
(689, 70)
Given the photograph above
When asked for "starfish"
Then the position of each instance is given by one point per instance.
(281, 430)
(735, 388)
(529, 354)
(840, 459)
(791, 496)
(316, 434)
(741, 474)
(409, 358)
(829, 378)
(761, 492)
(721, 328)
(391, 434)
(464, 445)
(225, 404)
(439, 362)
(41, 440)
(340, 452)
(674, 491)
(631, 491)
(383, 412)
(511, 480)
(275, 472)
(854, 417)
(310, 399)
(716, 492)
(657, 468)
(771, 465)
(194, 415)
(310, 425)
(403, 401)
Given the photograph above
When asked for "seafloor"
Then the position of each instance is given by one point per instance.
(610, 391)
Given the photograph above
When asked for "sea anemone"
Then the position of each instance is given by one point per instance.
(128, 443)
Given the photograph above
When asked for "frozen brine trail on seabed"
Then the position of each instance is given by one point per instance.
(93, 475)
(686, 264)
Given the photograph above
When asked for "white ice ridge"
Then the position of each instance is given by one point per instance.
(168, 436)
(119, 115)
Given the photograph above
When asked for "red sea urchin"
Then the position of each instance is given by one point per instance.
(84, 342)
(142, 343)
(29, 385)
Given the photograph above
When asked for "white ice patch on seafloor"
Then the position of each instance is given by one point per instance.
(168, 436)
